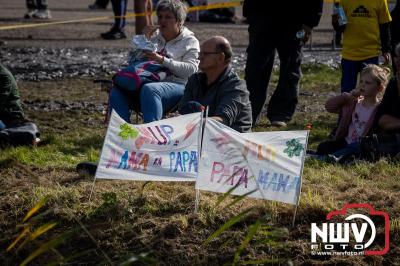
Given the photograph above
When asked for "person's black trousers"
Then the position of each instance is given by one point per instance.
(119, 9)
(38, 4)
(102, 3)
(264, 41)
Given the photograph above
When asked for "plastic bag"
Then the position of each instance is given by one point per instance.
(142, 43)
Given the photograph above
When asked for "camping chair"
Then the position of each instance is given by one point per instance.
(107, 85)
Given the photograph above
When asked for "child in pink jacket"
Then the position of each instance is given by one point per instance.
(357, 110)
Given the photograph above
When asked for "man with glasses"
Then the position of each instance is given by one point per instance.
(218, 87)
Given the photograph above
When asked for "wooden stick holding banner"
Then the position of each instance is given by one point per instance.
(94, 180)
(301, 175)
(197, 201)
(91, 191)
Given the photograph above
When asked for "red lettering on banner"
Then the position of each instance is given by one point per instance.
(231, 175)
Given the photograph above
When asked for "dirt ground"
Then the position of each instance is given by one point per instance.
(86, 34)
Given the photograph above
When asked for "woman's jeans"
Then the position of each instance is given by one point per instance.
(156, 99)
(338, 148)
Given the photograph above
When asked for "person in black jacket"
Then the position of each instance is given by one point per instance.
(395, 31)
(388, 114)
(282, 26)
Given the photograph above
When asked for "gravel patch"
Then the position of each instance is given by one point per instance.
(36, 64)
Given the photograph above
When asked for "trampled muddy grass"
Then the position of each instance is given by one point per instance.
(154, 223)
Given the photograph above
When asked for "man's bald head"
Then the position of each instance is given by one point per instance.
(222, 45)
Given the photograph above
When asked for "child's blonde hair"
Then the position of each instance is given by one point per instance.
(379, 74)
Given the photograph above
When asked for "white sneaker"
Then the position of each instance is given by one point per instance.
(42, 14)
(278, 124)
(30, 13)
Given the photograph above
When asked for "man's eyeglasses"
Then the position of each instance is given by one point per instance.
(208, 53)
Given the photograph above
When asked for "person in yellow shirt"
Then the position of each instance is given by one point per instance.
(365, 37)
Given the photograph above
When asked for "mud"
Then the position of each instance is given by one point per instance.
(44, 63)
(63, 105)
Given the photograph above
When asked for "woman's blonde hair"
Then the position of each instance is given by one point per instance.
(380, 74)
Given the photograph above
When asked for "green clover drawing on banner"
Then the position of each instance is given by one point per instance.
(128, 132)
(294, 148)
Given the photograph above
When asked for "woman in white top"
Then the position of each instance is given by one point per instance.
(177, 50)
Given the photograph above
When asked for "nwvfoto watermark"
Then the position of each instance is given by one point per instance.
(334, 238)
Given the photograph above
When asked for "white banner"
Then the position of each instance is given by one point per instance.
(265, 165)
(165, 150)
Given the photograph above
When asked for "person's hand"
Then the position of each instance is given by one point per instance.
(356, 92)
(149, 30)
(172, 114)
(153, 56)
(386, 58)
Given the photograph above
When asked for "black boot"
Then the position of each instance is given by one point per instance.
(113, 34)
(86, 168)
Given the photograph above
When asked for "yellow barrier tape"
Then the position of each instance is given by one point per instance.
(215, 6)
(129, 15)
(13, 27)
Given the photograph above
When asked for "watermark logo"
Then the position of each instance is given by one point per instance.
(355, 235)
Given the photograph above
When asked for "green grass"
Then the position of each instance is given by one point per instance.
(154, 223)
(319, 77)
